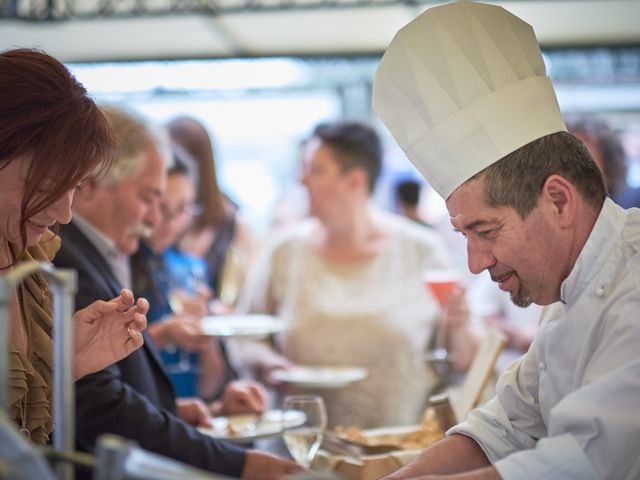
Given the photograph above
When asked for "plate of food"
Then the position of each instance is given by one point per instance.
(252, 325)
(249, 427)
(320, 377)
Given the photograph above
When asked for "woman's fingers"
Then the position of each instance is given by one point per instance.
(125, 298)
(143, 305)
(139, 321)
(259, 396)
(135, 340)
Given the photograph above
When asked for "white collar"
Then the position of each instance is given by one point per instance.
(591, 261)
(103, 244)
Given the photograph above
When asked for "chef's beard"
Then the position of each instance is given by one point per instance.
(521, 297)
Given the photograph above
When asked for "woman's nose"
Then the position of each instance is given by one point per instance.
(60, 210)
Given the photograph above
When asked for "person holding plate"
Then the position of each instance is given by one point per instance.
(197, 363)
(349, 284)
(464, 91)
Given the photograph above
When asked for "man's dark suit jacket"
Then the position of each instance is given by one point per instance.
(133, 398)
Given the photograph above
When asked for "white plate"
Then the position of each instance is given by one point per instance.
(320, 377)
(269, 424)
(241, 325)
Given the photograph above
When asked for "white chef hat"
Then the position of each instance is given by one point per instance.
(460, 87)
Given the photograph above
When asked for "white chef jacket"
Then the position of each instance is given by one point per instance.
(570, 407)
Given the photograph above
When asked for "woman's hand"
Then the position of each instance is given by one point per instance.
(241, 396)
(268, 364)
(457, 310)
(106, 332)
(183, 331)
(463, 335)
(194, 412)
(195, 305)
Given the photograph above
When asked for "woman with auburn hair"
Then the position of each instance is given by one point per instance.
(52, 137)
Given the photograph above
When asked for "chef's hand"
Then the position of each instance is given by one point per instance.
(262, 466)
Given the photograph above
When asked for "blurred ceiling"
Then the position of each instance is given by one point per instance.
(102, 30)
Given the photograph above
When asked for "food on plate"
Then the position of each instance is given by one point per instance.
(429, 431)
(241, 424)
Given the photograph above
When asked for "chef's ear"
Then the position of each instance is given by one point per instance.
(560, 196)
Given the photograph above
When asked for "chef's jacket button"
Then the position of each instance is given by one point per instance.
(600, 292)
(542, 366)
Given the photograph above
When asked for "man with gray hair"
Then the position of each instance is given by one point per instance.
(134, 398)
(463, 90)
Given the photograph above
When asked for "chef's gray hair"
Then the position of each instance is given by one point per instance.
(516, 180)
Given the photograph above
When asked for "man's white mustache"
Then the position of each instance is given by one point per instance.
(140, 230)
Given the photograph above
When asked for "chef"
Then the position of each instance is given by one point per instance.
(463, 90)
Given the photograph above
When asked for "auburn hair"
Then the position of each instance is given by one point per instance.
(47, 118)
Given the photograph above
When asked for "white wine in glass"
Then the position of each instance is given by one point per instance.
(303, 438)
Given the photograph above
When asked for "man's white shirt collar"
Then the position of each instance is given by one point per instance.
(118, 260)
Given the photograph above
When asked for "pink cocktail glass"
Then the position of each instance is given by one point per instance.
(441, 284)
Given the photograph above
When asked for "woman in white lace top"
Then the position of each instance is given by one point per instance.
(348, 283)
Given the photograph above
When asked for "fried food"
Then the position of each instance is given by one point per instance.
(427, 433)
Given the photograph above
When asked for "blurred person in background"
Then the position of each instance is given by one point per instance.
(348, 282)
(407, 198)
(53, 137)
(218, 233)
(177, 302)
(134, 398)
(195, 362)
(607, 150)
(630, 138)
(292, 204)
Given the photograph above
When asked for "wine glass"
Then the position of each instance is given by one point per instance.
(304, 420)
(232, 276)
(183, 295)
(441, 283)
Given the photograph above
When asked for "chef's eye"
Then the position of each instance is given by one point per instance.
(486, 233)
